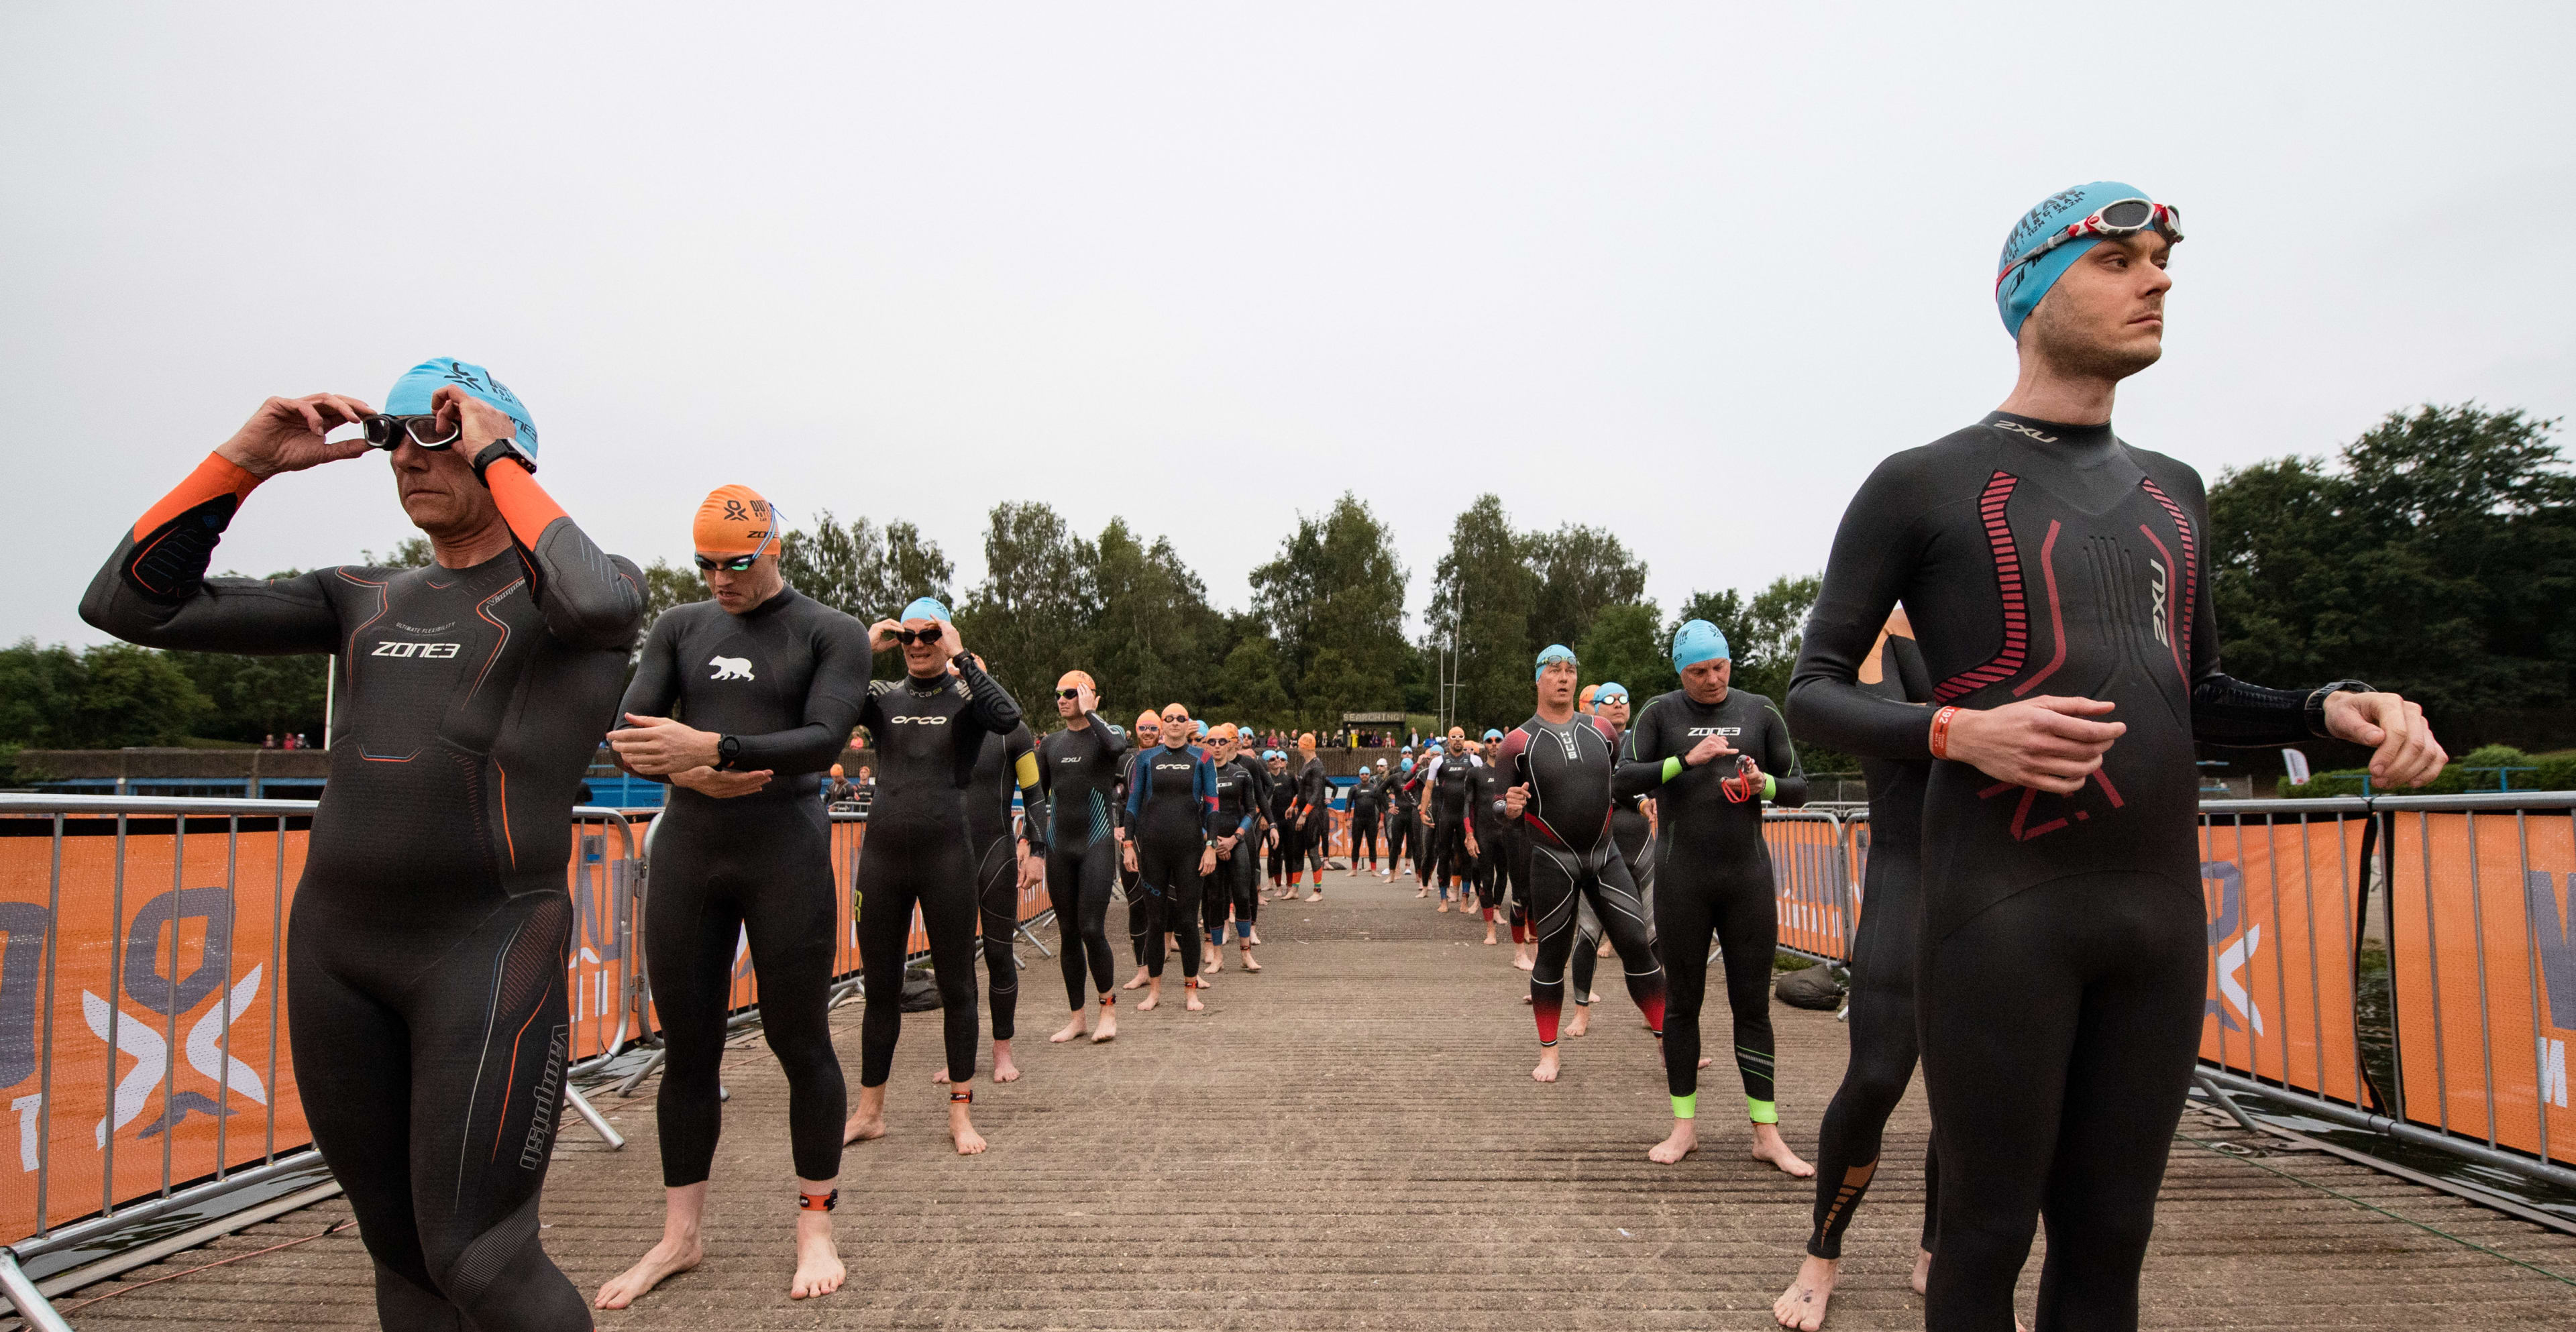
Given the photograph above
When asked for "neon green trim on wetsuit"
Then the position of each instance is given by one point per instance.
(1770, 786)
(1761, 1112)
(1686, 1107)
(1672, 769)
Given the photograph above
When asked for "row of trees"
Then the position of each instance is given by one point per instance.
(2434, 554)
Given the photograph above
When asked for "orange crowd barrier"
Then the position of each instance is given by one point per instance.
(2279, 895)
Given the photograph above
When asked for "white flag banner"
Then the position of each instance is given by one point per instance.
(2298, 766)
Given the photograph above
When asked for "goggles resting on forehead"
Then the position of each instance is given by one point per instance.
(2118, 218)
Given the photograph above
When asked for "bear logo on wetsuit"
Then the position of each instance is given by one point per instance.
(730, 668)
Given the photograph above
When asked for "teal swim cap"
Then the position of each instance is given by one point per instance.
(924, 608)
(1694, 643)
(410, 394)
(1553, 652)
(1608, 692)
(2018, 290)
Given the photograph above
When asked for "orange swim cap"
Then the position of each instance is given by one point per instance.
(1221, 732)
(1076, 680)
(836, 769)
(1149, 717)
(1306, 741)
(734, 520)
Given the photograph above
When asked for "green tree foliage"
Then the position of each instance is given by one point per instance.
(412, 552)
(104, 697)
(1482, 596)
(1581, 571)
(862, 570)
(667, 585)
(1153, 638)
(1627, 643)
(2435, 555)
(1028, 618)
(1334, 596)
(254, 698)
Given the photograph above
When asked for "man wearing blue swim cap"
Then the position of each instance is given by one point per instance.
(2056, 578)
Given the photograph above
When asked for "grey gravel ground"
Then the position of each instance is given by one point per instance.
(1351, 1140)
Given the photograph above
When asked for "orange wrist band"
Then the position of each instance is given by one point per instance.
(1941, 731)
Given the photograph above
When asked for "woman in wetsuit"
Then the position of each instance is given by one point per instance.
(1171, 817)
(1078, 770)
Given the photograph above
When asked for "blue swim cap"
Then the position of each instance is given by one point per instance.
(2019, 294)
(1492, 734)
(1553, 652)
(924, 608)
(410, 394)
(1694, 643)
(1608, 692)
(1408, 765)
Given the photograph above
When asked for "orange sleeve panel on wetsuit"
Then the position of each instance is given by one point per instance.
(214, 478)
(524, 504)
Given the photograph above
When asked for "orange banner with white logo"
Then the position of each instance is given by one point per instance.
(2280, 906)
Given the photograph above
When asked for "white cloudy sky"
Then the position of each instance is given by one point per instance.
(1686, 270)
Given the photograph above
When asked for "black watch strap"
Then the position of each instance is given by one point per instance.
(2314, 713)
(728, 752)
(496, 451)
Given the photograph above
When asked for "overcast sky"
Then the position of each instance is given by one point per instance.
(1686, 271)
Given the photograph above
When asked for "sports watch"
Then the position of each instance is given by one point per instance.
(2314, 713)
(728, 751)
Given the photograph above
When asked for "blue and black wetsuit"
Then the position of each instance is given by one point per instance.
(1171, 817)
(786, 680)
(427, 942)
(1238, 814)
(1078, 769)
(2064, 955)
(928, 733)
(1006, 762)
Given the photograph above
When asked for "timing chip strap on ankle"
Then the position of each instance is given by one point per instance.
(965, 1097)
(818, 1202)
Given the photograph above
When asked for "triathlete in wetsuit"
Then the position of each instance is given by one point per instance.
(427, 940)
(1246, 888)
(2056, 579)
(1498, 848)
(1448, 781)
(1365, 801)
(1881, 1014)
(1078, 768)
(1238, 815)
(1171, 816)
(1003, 860)
(928, 728)
(1404, 820)
(1557, 769)
(1711, 755)
(1141, 907)
(1313, 811)
(1283, 823)
(760, 679)
(1633, 832)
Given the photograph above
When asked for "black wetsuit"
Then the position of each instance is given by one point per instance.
(1005, 762)
(1171, 817)
(1445, 861)
(1283, 824)
(1713, 874)
(1569, 767)
(786, 679)
(1633, 833)
(427, 942)
(1238, 813)
(1247, 856)
(1131, 885)
(2064, 955)
(1079, 769)
(1315, 806)
(1364, 812)
(1403, 810)
(1883, 1040)
(1497, 842)
(928, 733)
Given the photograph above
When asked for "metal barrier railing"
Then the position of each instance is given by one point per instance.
(1811, 873)
(146, 940)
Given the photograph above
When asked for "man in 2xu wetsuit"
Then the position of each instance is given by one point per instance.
(1140, 897)
(1078, 770)
(1557, 769)
(928, 728)
(2055, 578)
(427, 941)
(766, 683)
(1710, 755)
(1883, 1043)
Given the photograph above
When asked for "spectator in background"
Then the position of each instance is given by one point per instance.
(839, 790)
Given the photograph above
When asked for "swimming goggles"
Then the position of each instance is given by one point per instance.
(2118, 218)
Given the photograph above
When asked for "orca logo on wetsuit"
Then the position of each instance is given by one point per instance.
(918, 721)
(397, 648)
(730, 668)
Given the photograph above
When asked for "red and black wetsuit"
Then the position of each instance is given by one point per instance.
(426, 946)
(2064, 953)
(1566, 824)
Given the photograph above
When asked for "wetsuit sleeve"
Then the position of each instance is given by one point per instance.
(988, 702)
(1785, 781)
(590, 599)
(1135, 802)
(2227, 711)
(1641, 756)
(833, 702)
(1507, 767)
(1878, 542)
(1029, 774)
(1203, 793)
(1112, 742)
(153, 590)
(655, 690)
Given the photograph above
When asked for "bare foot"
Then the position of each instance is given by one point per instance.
(961, 1128)
(1315, 897)
(1211, 959)
(1248, 963)
(1137, 981)
(1604, 949)
(940, 1078)
(1768, 1146)
(1547, 1066)
(1191, 997)
(1802, 1305)
(1524, 961)
(1252, 935)
(1490, 940)
(664, 1260)
(1444, 904)
(1072, 1031)
(1153, 995)
(1684, 1141)
(864, 1126)
(1108, 1028)
(818, 1260)
(1421, 892)
(1582, 1021)
(1003, 1069)
(1922, 1271)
